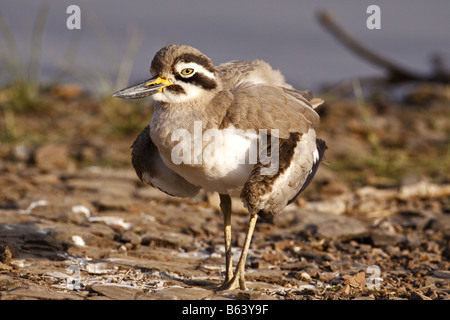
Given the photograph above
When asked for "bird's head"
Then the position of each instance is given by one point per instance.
(180, 73)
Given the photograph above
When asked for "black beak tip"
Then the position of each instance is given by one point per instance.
(138, 91)
(116, 94)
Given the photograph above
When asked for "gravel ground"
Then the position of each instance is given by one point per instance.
(71, 229)
(100, 234)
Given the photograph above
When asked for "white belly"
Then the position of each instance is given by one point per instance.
(216, 160)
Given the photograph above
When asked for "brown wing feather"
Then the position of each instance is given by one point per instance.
(259, 106)
(151, 169)
(299, 158)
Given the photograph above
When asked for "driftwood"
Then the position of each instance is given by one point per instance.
(396, 73)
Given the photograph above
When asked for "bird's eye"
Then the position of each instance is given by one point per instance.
(187, 71)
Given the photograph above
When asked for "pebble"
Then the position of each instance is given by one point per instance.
(5, 254)
(52, 156)
(180, 293)
(304, 276)
(443, 274)
(77, 240)
(112, 221)
(35, 292)
(327, 276)
(357, 280)
(100, 268)
(116, 292)
(327, 225)
(81, 209)
(6, 282)
(131, 237)
(333, 206)
(167, 239)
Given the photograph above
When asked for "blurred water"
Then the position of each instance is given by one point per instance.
(285, 33)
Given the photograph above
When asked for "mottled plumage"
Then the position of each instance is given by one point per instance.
(241, 99)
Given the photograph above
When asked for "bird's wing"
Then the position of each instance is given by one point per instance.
(299, 157)
(262, 106)
(151, 169)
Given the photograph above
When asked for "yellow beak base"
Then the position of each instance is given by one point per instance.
(159, 81)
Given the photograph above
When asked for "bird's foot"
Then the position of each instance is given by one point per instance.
(238, 281)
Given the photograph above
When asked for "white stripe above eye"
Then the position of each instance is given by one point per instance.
(197, 68)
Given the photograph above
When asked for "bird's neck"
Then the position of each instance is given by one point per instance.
(168, 118)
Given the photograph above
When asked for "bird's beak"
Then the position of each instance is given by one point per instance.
(144, 89)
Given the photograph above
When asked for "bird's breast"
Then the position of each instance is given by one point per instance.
(216, 160)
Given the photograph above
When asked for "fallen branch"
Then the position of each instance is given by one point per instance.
(396, 73)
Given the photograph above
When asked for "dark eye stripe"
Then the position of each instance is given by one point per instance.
(177, 89)
(200, 80)
(202, 61)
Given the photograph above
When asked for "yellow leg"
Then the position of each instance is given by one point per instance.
(238, 279)
(225, 205)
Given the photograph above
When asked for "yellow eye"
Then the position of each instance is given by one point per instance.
(187, 71)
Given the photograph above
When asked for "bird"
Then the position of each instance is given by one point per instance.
(237, 128)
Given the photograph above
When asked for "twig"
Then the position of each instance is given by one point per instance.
(396, 72)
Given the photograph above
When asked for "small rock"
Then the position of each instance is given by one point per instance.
(273, 258)
(113, 204)
(371, 297)
(324, 224)
(417, 295)
(22, 152)
(266, 275)
(177, 293)
(293, 266)
(385, 238)
(5, 267)
(112, 221)
(5, 254)
(378, 252)
(443, 274)
(167, 239)
(77, 240)
(304, 276)
(346, 289)
(116, 292)
(253, 295)
(337, 207)
(131, 237)
(327, 276)
(54, 156)
(75, 217)
(356, 281)
(6, 282)
(440, 223)
(82, 210)
(45, 179)
(342, 228)
(100, 268)
(34, 292)
(312, 271)
(283, 245)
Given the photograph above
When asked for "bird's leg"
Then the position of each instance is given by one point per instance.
(239, 279)
(225, 205)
